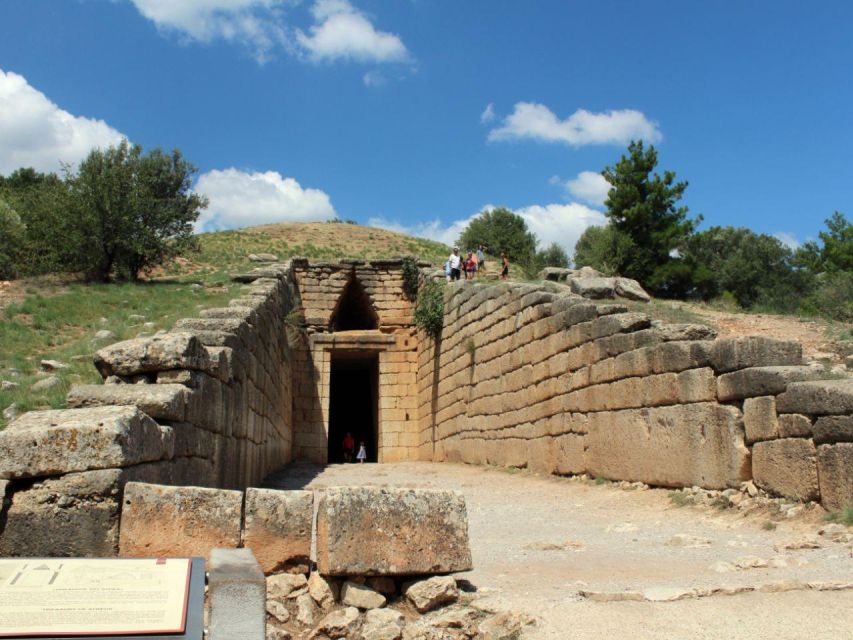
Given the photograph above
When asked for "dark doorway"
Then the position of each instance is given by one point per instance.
(353, 403)
(354, 309)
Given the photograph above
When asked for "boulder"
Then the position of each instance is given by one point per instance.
(631, 289)
(835, 470)
(175, 350)
(358, 595)
(52, 365)
(178, 521)
(426, 595)
(382, 624)
(46, 384)
(338, 624)
(278, 528)
(593, 287)
(731, 354)
(11, 412)
(821, 397)
(786, 467)
(555, 274)
(373, 531)
(105, 334)
(49, 443)
(283, 586)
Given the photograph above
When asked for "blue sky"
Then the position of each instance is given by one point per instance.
(416, 114)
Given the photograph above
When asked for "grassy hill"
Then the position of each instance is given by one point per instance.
(59, 319)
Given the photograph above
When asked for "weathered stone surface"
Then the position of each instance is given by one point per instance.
(160, 401)
(382, 584)
(593, 287)
(236, 594)
(52, 365)
(278, 610)
(283, 586)
(555, 274)
(821, 397)
(263, 257)
(759, 419)
(51, 382)
(325, 591)
(794, 425)
(305, 609)
(378, 531)
(278, 528)
(47, 443)
(786, 467)
(338, 624)
(835, 470)
(683, 445)
(382, 624)
(760, 381)
(174, 350)
(631, 289)
(178, 521)
(688, 331)
(503, 626)
(730, 354)
(426, 595)
(833, 429)
(358, 595)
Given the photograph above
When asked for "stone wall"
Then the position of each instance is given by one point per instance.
(526, 377)
(206, 404)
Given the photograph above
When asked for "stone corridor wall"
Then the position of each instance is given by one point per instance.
(206, 404)
(554, 382)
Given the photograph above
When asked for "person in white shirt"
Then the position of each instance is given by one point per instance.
(455, 261)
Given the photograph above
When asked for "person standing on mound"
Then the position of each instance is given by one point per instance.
(505, 268)
(455, 261)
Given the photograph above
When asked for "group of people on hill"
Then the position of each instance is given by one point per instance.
(456, 264)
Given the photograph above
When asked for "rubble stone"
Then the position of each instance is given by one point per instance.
(358, 595)
(426, 595)
(382, 624)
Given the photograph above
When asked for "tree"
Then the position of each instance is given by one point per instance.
(642, 207)
(836, 251)
(502, 231)
(12, 235)
(552, 256)
(602, 248)
(132, 211)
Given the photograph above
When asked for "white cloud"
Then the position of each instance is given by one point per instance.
(560, 223)
(537, 122)
(341, 32)
(788, 239)
(240, 199)
(255, 24)
(374, 79)
(35, 132)
(488, 113)
(590, 187)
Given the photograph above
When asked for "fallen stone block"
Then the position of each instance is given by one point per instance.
(631, 289)
(835, 470)
(178, 521)
(821, 397)
(730, 354)
(237, 596)
(426, 595)
(49, 443)
(160, 401)
(372, 531)
(833, 429)
(786, 467)
(760, 381)
(595, 288)
(174, 350)
(278, 528)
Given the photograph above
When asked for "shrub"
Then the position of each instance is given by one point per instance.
(411, 274)
(429, 311)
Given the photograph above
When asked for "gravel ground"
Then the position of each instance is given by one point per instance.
(566, 552)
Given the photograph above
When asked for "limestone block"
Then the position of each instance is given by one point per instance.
(236, 595)
(358, 595)
(175, 350)
(730, 354)
(631, 289)
(383, 531)
(794, 425)
(786, 467)
(178, 521)
(821, 397)
(193, 442)
(48, 443)
(833, 429)
(760, 381)
(759, 419)
(835, 470)
(595, 288)
(160, 401)
(683, 445)
(567, 453)
(426, 595)
(278, 528)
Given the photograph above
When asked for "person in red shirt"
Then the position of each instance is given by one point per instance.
(349, 447)
(470, 266)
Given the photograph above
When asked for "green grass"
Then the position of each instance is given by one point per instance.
(769, 525)
(842, 516)
(680, 499)
(59, 323)
(667, 311)
(599, 480)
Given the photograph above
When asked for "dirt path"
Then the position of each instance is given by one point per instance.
(552, 547)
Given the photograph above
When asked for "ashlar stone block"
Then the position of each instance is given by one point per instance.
(786, 467)
(278, 528)
(835, 470)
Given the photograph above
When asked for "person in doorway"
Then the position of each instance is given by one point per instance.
(455, 261)
(362, 453)
(505, 267)
(349, 447)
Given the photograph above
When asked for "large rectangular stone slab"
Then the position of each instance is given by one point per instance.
(278, 528)
(698, 444)
(374, 531)
(173, 350)
(760, 381)
(835, 471)
(730, 354)
(821, 397)
(50, 443)
(160, 401)
(786, 467)
(167, 521)
(833, 429)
